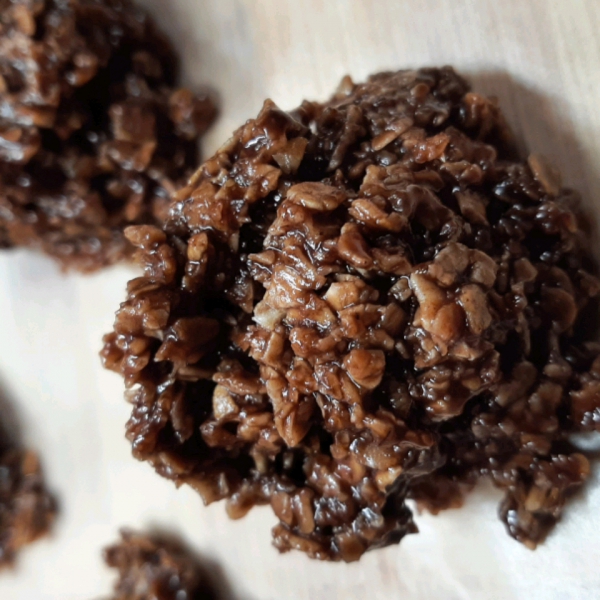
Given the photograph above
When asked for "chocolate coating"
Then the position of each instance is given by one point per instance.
(94, 135)
(360, 302)
(27, 510)
(153, 567)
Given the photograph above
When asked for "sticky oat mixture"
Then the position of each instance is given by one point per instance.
(27, 509)
(360, 302)
(94, 132)
(153, 567)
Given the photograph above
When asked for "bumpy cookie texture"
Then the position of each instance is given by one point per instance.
(155, 568)
(361, 302)
(93, 134)
(27, 510)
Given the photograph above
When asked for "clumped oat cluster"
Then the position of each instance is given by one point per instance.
(27, 510)
(152, 567)
(362, 302)
(94, 135)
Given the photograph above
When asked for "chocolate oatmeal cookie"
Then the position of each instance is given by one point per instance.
(27, 510)
(156, 568)
(360, 302)
(94, 133)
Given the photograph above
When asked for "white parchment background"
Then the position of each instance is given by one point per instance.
(542, 58)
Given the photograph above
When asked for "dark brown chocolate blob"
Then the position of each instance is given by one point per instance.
(27, 510)
(94, 134)
(360, 302)
(154, 567)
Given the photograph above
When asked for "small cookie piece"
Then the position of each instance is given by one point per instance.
(156, 568)
(94, 134)
(27, 510)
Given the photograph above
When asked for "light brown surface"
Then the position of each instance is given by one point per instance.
(541, 58)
